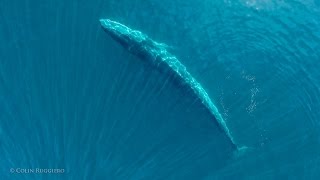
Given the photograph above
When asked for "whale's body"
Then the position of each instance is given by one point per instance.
(141, 45)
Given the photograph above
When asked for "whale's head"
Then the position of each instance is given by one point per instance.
(130, 39)
(134, 41)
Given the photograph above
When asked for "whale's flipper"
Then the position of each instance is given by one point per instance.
(141, 45)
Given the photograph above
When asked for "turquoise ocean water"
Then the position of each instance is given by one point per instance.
(71, 98)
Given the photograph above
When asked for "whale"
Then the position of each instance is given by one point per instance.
(140, 45)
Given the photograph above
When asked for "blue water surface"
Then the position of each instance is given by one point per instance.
(71, 98)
